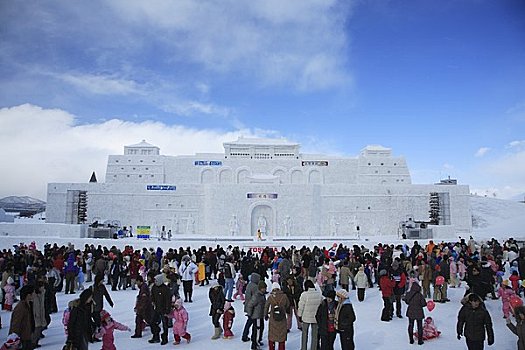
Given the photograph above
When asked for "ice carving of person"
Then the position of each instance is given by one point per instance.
(287, 224)
(261, 224)
(234, 225)
(190, 227)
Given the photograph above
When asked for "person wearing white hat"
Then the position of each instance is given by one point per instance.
(344, 320)
(275, 311)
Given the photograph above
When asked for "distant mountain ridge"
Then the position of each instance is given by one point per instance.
(25, 205)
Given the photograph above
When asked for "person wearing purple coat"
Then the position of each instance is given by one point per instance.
(70, 270)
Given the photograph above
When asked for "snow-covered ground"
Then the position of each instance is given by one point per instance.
(370, 332)
(494, 218)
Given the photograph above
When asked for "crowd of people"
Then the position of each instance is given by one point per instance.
(308, 284)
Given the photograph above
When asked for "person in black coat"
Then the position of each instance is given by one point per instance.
(161, 300)
(217, 300)
(293, 291)
(325, 317)
(416, 302)
(473, 322)
(79, 327)
(344, 320)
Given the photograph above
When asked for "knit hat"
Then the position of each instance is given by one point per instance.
(12, 341)
(343, 294)
(262, 285)
(330, 294)
(382, 273)
(227, 306)
(159, 280)
(275, 285)
(10, 280)
(104, 315)
(505, 282)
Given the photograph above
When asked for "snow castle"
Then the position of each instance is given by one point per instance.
(260, 184)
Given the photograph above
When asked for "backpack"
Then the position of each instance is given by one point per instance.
(227, 271)
(278, 313)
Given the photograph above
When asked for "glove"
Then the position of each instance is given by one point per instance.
(459, 336)
(491, 341)
(266, 318)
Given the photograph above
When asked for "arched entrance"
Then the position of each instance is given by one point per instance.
(262, 217)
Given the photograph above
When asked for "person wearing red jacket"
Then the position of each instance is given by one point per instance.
(387, 291)
(400, 278)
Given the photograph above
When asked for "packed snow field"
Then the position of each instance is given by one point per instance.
(495, 218)
(370, 332)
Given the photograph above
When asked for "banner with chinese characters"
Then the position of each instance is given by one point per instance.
(143, 232)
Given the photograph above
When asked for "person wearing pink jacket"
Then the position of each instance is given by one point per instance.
(505, 292)
(108, 326)
(180, 321)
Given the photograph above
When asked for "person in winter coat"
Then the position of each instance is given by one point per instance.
(293, 292)
(22, 322)
(344, 320)
(9, 291)
(180, 321)
(161, 300)
(227, 320)
(106, 331)
(187, 271)
(400, 278)
(275, 311)
(387, 291)
(325, 317)
(519, 327)
(39, 312)
(114, 273)
(505, 292)
(217, 300)
(143, 308)
(99, 293)
(254, 309)
(70, 270)
(239, 287)
(344, 276)
(79, 326)
(430, 330)
(416, 302)
(474, 322)
(361, 282)
(251, 290)
(308, 304)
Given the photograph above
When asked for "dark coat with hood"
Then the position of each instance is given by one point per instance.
(217, 300)
(80, 324)
(472, 323)
(416, 302)
(251, 288)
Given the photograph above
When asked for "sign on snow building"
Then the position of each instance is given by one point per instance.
(260, 184)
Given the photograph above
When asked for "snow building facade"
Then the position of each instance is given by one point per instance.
(260, 184)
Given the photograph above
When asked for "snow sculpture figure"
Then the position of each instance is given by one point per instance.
(175, 225)
(333, 226)
(287, 225)
(190, 227)
(234, 225)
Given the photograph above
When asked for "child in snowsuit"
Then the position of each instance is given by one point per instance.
(239, 286)
(515, 280)
(505, 292)
(275, 276)
(430, 330)
(108, 326)
(9, 290)
(180, 321)
(227, 320)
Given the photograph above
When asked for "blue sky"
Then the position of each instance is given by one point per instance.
(441, 82)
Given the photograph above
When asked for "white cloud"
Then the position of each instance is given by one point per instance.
(517, 144)
(100, 84)
(47, 145)
(301, 43)
(482, 151)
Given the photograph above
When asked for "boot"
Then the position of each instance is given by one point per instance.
(155, 339)
(217, 333)
(164, 339)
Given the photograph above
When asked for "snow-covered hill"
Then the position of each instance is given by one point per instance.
(497, 217)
